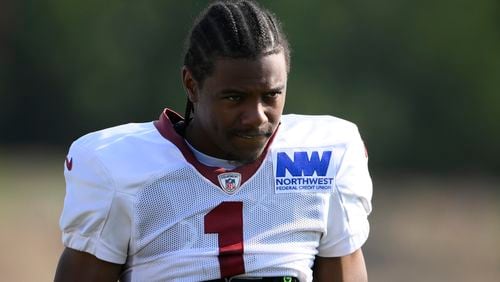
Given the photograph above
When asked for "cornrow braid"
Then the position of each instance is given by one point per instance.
(231, 29)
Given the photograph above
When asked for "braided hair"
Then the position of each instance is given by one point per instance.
(231, 29)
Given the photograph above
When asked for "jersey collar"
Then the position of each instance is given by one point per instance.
(165, 127)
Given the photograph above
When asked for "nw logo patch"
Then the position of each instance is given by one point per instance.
(303, 164)
(303, 170)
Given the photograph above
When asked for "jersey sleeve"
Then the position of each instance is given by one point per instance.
(350, 203)
(95, 218)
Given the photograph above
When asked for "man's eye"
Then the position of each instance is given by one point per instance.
(273, 94)
(234, 98)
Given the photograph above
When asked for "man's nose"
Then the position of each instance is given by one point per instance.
(254, 115)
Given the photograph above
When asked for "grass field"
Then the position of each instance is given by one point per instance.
(423, 228)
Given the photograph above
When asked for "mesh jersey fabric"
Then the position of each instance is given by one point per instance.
(134, 198)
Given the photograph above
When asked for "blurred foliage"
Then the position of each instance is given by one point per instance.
(420, 78)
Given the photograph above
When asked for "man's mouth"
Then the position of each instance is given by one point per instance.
(253, 134)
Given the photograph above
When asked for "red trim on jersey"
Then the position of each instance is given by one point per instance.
(164, 125)
(69, 164)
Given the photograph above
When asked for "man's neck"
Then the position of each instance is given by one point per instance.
(212, 161)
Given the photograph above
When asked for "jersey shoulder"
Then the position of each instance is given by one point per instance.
(126, 154)
(315, 130)
(120, 134)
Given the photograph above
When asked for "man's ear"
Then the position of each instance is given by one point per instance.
(190, 84)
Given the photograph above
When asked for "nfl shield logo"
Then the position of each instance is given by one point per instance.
(229, 181)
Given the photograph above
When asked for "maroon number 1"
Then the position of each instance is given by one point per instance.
(226, 220)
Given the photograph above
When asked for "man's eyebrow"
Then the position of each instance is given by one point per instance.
(231, 91)
(226, 91)
(278, 88)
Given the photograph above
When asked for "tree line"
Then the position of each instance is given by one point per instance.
(420, 78)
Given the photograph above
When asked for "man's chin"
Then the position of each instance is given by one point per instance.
(243, 150)
(248, 156)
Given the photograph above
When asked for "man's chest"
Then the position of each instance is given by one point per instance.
(184, 213)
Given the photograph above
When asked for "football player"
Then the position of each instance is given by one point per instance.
(232, 191)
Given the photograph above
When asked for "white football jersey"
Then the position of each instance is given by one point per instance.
(136, 195)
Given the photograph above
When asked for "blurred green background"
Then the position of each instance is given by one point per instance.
(420, 78)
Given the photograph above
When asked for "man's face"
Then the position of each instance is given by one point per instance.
(238, 107)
